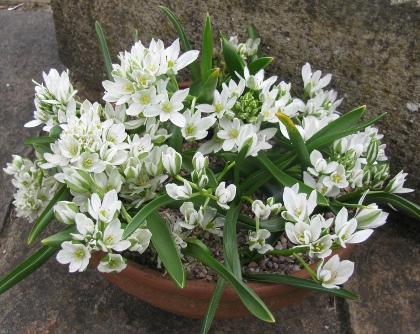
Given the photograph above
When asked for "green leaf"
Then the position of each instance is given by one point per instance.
(250, 299)
(259, 64)
(105, 51)
(57, 239)
(165, 247)
(39, 141)
(48, 213)
(214, 302)
(329, 139)
(175, 141)
(184, 40)
(271, 225)
(234, 62)
(26, 268)
(230, 242)
(207, 50)
(298, 143)
(253, 34)
(42, 149)
(300, 283)
(383, 198)
(141, 216)
(287, 180)
(196, 87)
(341, 124)
(240, 159)
(206, 94)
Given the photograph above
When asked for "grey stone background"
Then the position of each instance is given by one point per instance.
(387, 276)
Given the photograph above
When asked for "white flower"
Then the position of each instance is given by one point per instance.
(76, 179)
(169, 109)
(222, 104)
(312, 82)
(257, 241)
(334, 273)
(112, 238)
(337, 178)
(196, 127)
(396, 185)
(370, 217)
(345, 231)
(257, 82)
(298, 207)
(320, 165)
(143, 99)
(77, 255)
(192, 217)
(174, 63)
(91, 162)
(234, 89)
(200, 161)
(225, 194)
(179, 192)
(210, 224)
(85, 226)
(260, 210)
(66, 212)
(140, 240)
(319, 185)
(107, 209)
(230, 132)
(112, 263)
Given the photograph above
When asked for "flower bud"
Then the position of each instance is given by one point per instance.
(66, 212)
(260, 210)
(372, 152)
(172, 161)
(199, 161)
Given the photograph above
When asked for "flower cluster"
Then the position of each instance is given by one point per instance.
(234, 150)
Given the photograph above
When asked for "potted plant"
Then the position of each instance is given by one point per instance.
(217, 180)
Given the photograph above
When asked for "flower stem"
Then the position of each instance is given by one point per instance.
(310, 271)
(224, 171)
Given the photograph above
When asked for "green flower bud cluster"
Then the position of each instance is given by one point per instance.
(375, 176)
(247, 107)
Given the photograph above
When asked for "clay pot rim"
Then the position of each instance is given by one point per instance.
(203, 289)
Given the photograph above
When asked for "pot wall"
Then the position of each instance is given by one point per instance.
(158, 290)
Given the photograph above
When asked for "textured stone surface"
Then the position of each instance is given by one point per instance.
(371, 48)
(387, 278)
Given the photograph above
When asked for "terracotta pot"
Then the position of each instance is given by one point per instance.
(158, 290)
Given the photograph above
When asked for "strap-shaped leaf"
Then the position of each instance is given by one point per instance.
(165, 247)
(38, 141)
(240, 159)
(26, 268)
(234, 62)
(341, 124)
(287, 180)
(42, 148)
(259, 64)
(329, 139)
(214, 302)
(175, 141)
(383, 198)
(105, 51)
(272, 225)
(48, 213)
(250, 299)
(141, 216)
(195, 87)
(300, 283)
(207, 50)
(184, 40)
(230, 242)
(57, 239)
(253, 34)
(298, 143)
(206, 94)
